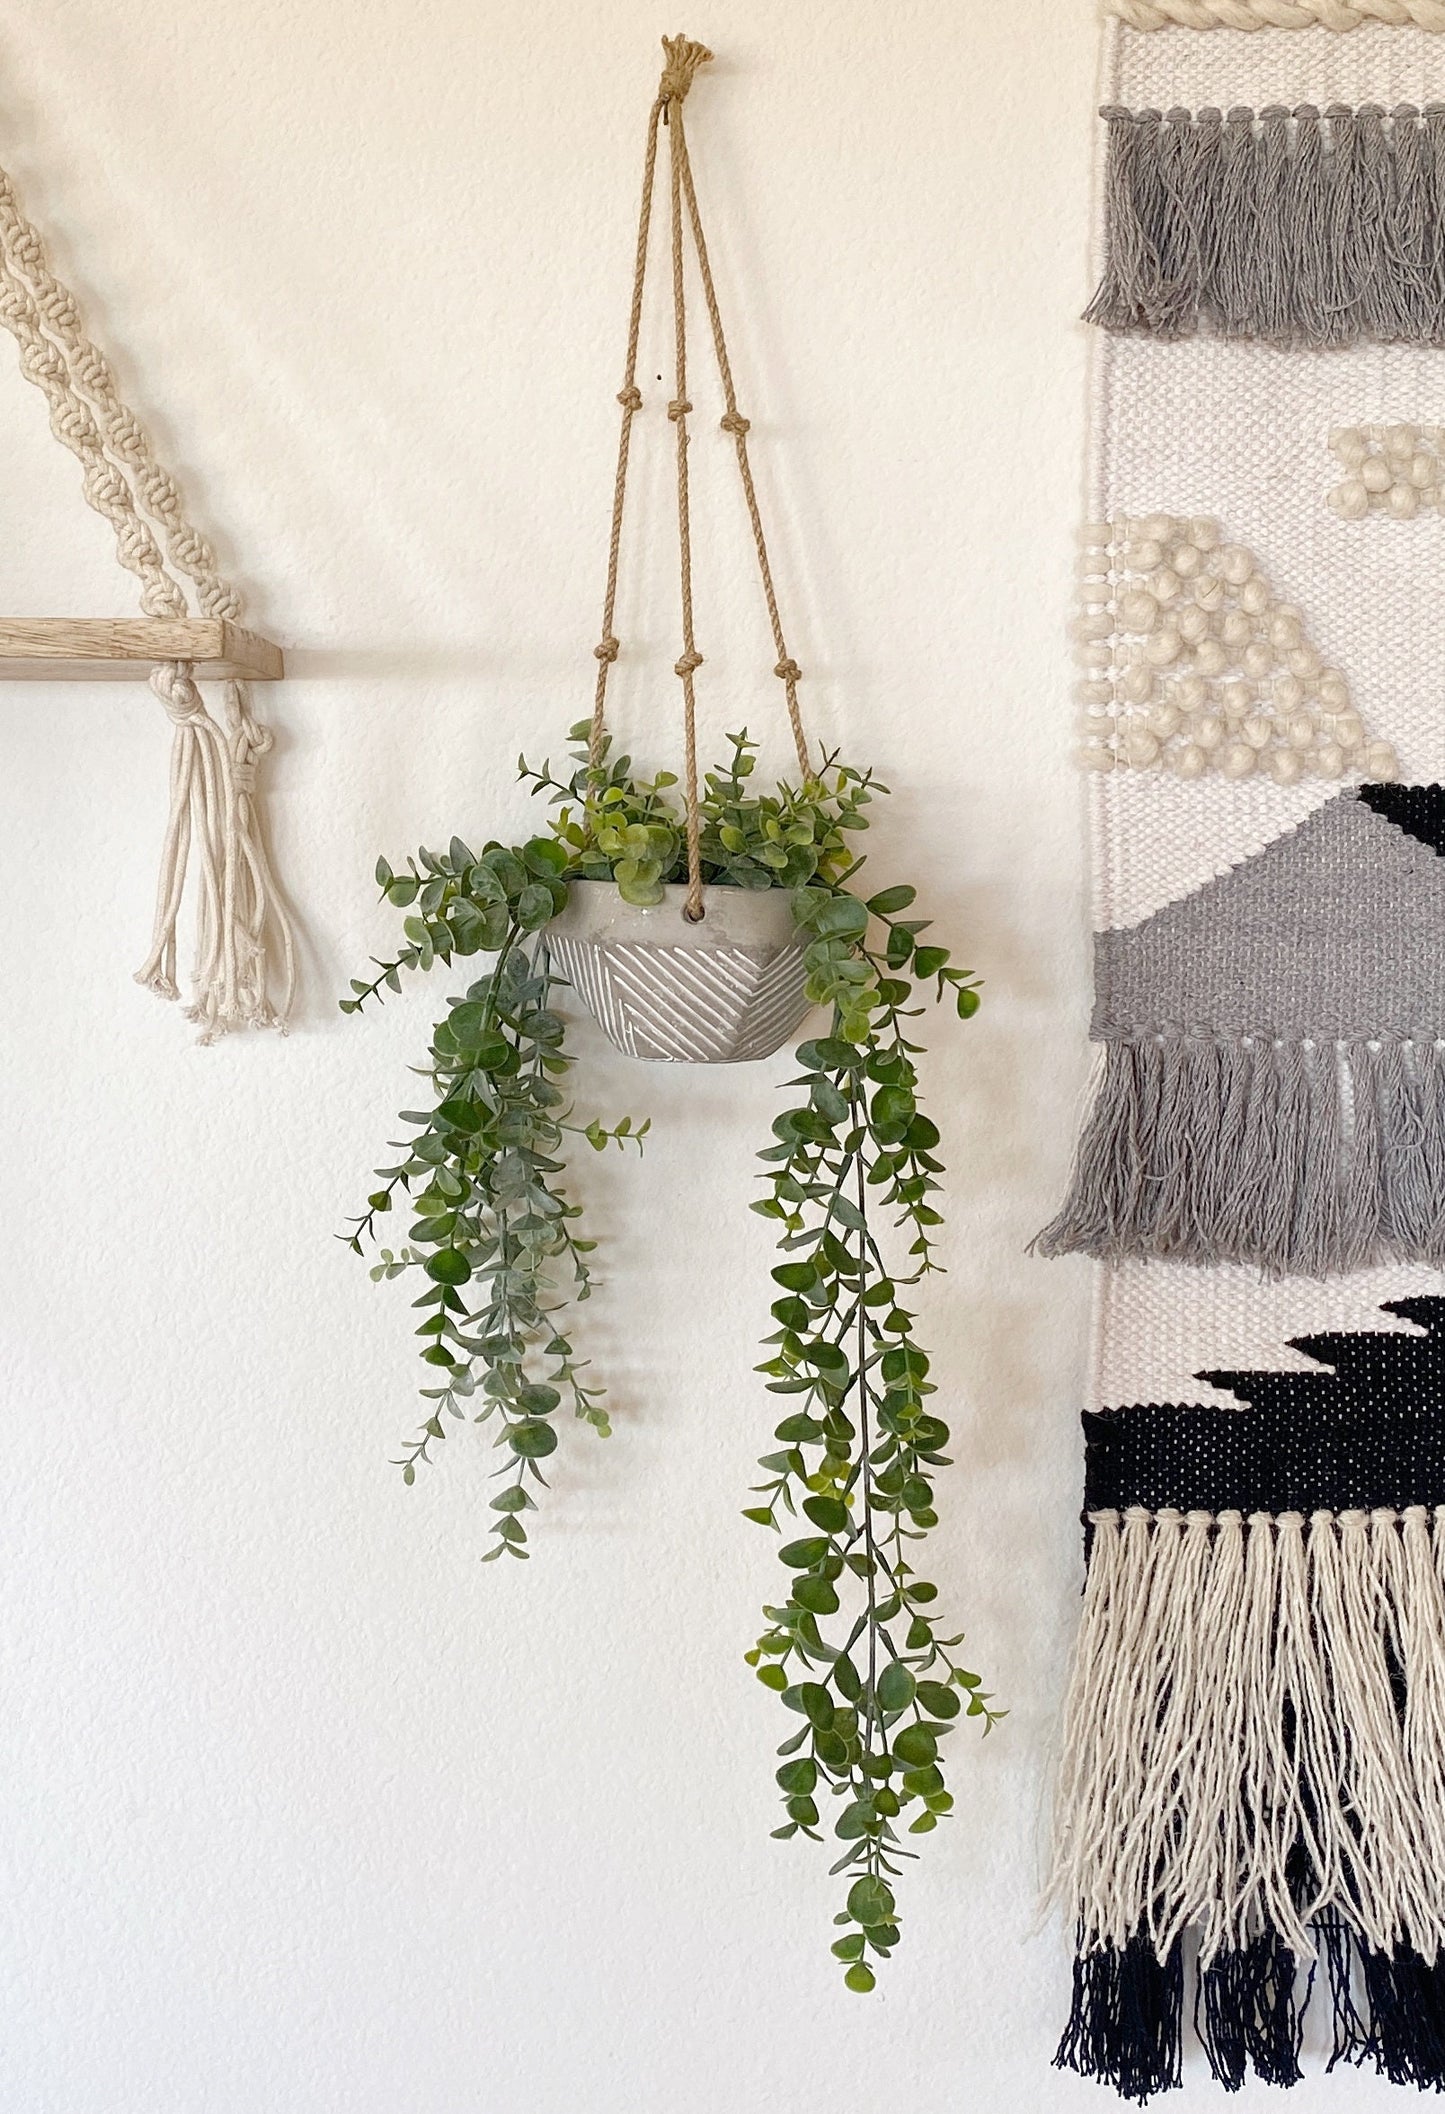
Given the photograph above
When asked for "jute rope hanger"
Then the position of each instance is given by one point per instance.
(244, 973)
(684, 57)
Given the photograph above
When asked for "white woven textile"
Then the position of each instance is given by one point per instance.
(1240, 432)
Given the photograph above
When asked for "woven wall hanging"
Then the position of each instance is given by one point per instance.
(1251, 1804)
(244, 972)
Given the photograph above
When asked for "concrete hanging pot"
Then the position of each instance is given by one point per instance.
(716, 990)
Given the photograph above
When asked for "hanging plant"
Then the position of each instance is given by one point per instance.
(703, 922)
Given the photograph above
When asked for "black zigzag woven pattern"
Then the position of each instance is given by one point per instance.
(1366, 1430)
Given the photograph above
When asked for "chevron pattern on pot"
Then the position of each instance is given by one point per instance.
(687, 1005)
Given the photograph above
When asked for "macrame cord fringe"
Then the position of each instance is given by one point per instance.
(1254, 1758)
(1297, 227)
(244, 971)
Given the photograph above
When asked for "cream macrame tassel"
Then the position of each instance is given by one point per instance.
(244, 973)
(213, 821)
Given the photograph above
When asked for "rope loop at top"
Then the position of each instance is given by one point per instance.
(683, 58)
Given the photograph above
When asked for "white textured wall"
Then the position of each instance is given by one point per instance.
(303, 1811)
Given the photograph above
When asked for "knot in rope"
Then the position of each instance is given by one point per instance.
(688, 664)
(734, 422)
(606, 650)
(678, 408)
(252, 739)
(684, 57)
(173, 685)
(788, 671)
(630, 398)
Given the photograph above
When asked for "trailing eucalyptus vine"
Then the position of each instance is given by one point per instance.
(495, 1242)
(494, 1234)
(857, 1452)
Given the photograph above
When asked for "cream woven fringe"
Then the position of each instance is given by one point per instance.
(1231, 1700)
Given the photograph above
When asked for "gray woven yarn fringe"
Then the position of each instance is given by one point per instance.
(1297, 227)
(1273, 1089)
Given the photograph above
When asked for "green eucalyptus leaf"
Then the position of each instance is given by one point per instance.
(870, 1901)
(889, 901)
(448, 1267)
(895, 1687)
(532, 1439)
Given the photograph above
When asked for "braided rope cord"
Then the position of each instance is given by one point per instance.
(213, 811)
(684, 57)
(1277, 14)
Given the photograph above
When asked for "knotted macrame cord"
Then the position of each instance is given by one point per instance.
(683, 60)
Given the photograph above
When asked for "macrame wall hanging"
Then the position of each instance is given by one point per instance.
(244, 971)
(1251, 1805)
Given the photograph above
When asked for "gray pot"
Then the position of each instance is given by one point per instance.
(724, 990)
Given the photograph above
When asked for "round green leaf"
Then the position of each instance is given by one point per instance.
(829, 1513)
(895, 1686)
(532, 1439)
(846, 1679)
(843, 917)
(860, 1977)
(773, 1677)
(802, 1555)
(938, 1701)
(537, 1399)
(534, 907)
(815, 1594)
(856, 1821)
(798, 1777)
(915, 1745)
(870, 1901)
(817, 1703)
(545, 856)
(448, 1267)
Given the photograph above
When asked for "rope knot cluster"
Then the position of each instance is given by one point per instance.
(688, 664)
(684, 57)
(788, 671)
(630, 398)
(607, 649)
(174, 685)
(678, 408)
(734, 422)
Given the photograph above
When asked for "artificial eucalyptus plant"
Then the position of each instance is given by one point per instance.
(495, 1243)
(852, 1644)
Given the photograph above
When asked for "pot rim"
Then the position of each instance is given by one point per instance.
(593, 903)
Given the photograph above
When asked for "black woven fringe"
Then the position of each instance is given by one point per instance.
(1293, 227)
(1247, 2017)
(1402, 2029)
(1125, 2026)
